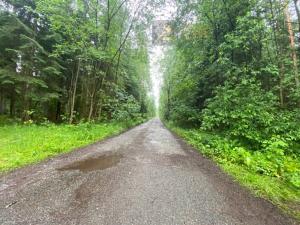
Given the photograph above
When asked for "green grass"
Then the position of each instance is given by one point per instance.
(275, 189)
(21, 145)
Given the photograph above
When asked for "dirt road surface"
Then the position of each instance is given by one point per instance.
(144, 176)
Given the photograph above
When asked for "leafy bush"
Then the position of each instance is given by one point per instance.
(185, 115)
(128, 109)
(242, 111)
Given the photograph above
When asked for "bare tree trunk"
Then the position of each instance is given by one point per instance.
(292, 45)
(91, 107)
(74, 93)
(26, 116)
(298, 15)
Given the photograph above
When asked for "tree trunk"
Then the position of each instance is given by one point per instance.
(12, 104)
(74, 93)
(298, 15)
(2, 103)
(91, 108)
(293, 50)
(117, 69)
(58, 111)
(100, 109)
(26, 107)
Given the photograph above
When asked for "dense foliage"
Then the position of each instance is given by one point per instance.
(231, 74)
(68, 60)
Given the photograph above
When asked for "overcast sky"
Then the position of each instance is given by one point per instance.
(156, 52)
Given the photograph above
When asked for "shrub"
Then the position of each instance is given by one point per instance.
(241, 111)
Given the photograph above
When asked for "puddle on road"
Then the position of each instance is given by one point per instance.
(100, 163)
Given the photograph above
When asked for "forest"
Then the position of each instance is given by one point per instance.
(71, 72)
(231, 88)
(67, 61)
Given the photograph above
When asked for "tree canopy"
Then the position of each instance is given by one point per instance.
(72, 60)
(233, 66)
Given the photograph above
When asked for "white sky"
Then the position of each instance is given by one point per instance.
(156, 52)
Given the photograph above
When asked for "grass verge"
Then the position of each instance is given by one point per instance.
(21, 145)
(275, 189)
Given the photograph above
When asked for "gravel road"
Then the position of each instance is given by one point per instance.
(144, 176)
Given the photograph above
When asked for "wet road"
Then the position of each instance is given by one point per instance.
(143, 176)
